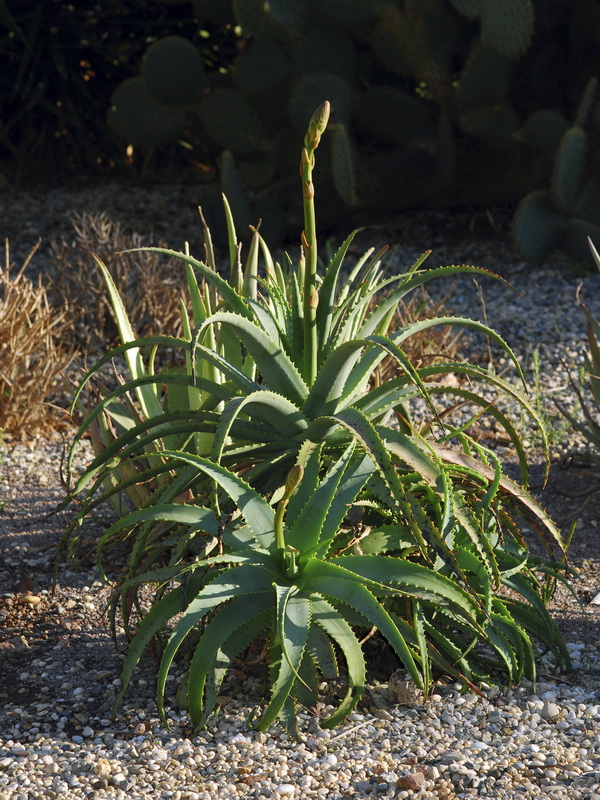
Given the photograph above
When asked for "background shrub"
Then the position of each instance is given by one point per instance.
(33, 356)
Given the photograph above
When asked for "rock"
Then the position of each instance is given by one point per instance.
(17, 644)
(402, 690)
(284, 789)
(32, 599)
(412, 781)
(550, 711)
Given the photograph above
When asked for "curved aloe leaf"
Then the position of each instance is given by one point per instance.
(234, 300)
(271, 360)
(321, 651)
(411, 282)
(285, 417)
(306, 530)
(333, 581)
(229, 622)
(328, 289)
(411, 579)
(159, 615)
(231, 647)
(257, 512)
(336, 627)
(461, 322)
(520, 498)
(234, 582)
(147, 398)
(293, 623)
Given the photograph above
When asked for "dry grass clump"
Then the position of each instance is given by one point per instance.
(33, 355)
(150, 284)
(439, 343)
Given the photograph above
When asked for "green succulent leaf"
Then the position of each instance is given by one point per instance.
(337, 583)
(255, 510)
(336, 627)
(272, 361)
(234, 626)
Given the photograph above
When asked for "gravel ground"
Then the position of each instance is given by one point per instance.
(60, 671)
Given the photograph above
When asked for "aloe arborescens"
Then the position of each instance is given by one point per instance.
(411, 528)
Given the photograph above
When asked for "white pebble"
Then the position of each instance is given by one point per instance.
(284, 789)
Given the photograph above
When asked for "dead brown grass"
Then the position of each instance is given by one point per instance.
(439, 343)
(150, 284)
(33, 353)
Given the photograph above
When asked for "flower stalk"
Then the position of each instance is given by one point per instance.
(287, 554)
(316, 128)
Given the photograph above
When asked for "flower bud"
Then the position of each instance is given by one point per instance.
(293, 479)
(317, 125)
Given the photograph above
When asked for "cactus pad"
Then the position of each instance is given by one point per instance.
(342, 166)
(424, 6)
(310, 91)
(260, 67)
(401, 178)
(470, 8)
(490, 121)
(138, 119)
(173, 72)
(588, 204)
(484, 79)
(569, 165)
(596, 117)
(217, 11)
(394, 116)
(355, 12)
(389, 41)
(548, 71)
(507, 25)
(416, 44)
(586, 102)
(287, 12)
(537, 227)
(326, 49)
(257, 172)
(278, 20)
(231, 186)
(543, 132)
(445, 151)
(231, 121)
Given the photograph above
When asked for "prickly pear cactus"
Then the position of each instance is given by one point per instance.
(484, 79)
(543, 132)
(233, 190)
(326, 49)
(277, 20)
(586, 103)
(137, 118)
(232, 121)
(507, 26)
(568, 170)
(260, 67)
(355, 12)
(173, 72)
(579, 232)
(492, 121)
(343, 166)
(425, 93)
(394, 116)
(537, 226)
(470, 8)
(309, 91)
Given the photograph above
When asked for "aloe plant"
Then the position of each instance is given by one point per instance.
(277, 363)
(590, 427)
(285, 576)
